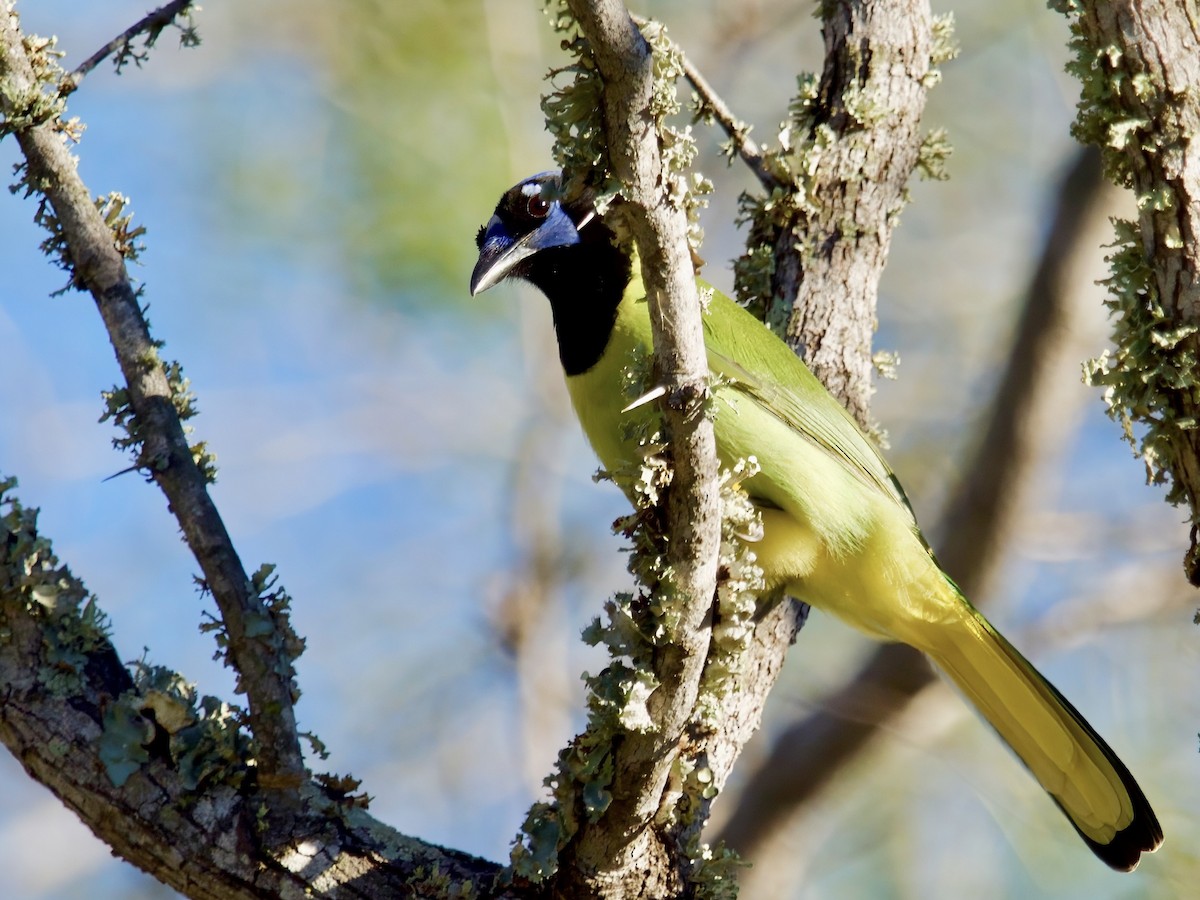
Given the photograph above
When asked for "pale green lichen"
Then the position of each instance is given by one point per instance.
(73, 626)
(801, 142)
(738, 590)
(1151, 360)
(201, 737)
(637, 624)
(1150, 376)
(778, 214)
(119, 409)
(42, 102)
(274, 622)
(943, 49)
(932, 155)
(714, 871)
(574, 117)
(161, 713)
(434, 882)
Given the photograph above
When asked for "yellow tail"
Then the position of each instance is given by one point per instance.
(1070, 761)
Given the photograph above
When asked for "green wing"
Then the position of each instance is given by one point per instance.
(780, 383)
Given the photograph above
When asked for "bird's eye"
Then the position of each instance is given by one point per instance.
(537, 207)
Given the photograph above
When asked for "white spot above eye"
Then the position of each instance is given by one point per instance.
(531, 189)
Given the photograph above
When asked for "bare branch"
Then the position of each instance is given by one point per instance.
(151, 26)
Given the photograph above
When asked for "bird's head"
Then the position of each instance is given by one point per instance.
(531, 217)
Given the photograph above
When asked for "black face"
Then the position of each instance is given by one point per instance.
(566, 251)
(524, 207)
(529, 219)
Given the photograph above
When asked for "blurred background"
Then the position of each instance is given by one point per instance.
(311, 179)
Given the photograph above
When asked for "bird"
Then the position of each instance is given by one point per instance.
(837, 529)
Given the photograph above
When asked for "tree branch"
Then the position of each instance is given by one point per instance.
(259, 648)
(191, 818)
(617, 850)
(739, 133)
(854, 142)
(1139, 65)
(151, 25)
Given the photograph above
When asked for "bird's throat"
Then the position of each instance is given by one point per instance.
(584, 284)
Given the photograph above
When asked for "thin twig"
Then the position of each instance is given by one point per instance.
(737, 130)
(151, 25)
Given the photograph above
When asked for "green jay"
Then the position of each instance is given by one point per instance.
(837, 531)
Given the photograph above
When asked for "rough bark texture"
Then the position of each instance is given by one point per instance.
(226, 838)
(270, 831)
(837, 256)
(865, 131)
(1139, 62)
(621, 855)
(212, 840)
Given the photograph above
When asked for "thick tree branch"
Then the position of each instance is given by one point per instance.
(622, 849)
(1139, 65)
(258, 648)
(864, 142)
(61, 687)
(981, 515)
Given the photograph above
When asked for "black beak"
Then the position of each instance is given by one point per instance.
(500, 252)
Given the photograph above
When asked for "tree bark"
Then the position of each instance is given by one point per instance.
(863, 144)
(1139, 66)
